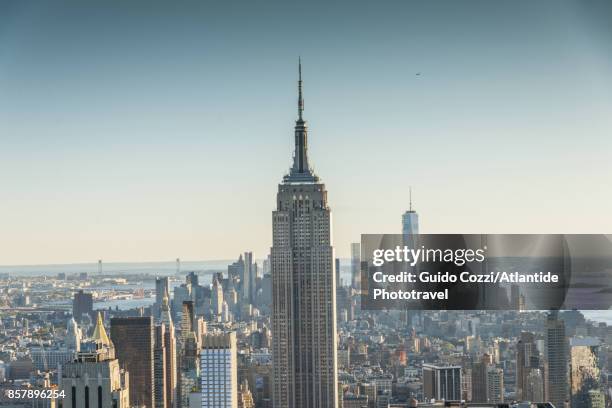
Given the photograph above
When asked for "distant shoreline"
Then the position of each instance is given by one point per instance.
(168, 268)
(154, 267)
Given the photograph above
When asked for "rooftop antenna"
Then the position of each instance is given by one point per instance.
(410, 190)
(178, 266)
(99, 267)
(300, 98)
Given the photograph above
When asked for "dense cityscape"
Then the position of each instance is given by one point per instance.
(283, 330)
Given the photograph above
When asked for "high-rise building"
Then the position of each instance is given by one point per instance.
(216, 301)
(134, 340)
(515, 296)
(245, 397)
(226, 315)
(534, 386)
(182, 293)
(529, 369)
(73, 335)
(495, 384)
(82, 304)
(441, 383)
(524, 349)
(253, 283)
(187, 319)
(480, 381)
(188, 367)
(160, 367)
(200, 327)
(466, 384)
(189, 371)
(356, 265)
(95, 378)
(410, 225)
(219, 371)
(265, 297)
(170, 351)
(337, 269)
(236, 269)
(248, 278)
(556, 355)
(584, 370)
(192, 278)
(304, 287)
(266, 266)
(162, 287)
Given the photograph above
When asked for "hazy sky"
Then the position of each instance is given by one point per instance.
(148, 131)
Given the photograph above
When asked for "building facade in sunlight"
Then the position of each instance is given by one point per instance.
(303, 286)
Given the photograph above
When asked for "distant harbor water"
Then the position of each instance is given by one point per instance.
(124, 304)
(205, 270)
(115, 268)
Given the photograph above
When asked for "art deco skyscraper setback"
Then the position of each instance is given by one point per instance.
(303, 286)
(94, 378)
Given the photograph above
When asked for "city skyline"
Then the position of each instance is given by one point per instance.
(136, 140)
(132, 150)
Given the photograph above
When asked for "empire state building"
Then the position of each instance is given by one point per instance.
(303, 285)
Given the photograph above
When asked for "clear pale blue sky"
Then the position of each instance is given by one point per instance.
(148, 131)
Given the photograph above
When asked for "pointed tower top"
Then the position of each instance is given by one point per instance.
(410, 192)
(164, 315)
(99, 333)
(300, 172)
(165, 301)
(300, 97)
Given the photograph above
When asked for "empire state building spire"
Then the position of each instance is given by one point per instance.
(300, 171)
(300, 97)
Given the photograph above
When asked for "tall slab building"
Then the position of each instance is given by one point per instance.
(169, 343)
(219, 371)
(134, 340)
(556, 353)
(303, 286)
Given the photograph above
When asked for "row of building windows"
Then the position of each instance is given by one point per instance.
(73, 398)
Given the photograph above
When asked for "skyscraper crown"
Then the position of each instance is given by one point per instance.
(300, 172)
(99, 333)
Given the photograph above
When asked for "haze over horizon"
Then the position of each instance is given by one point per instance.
(151, 131)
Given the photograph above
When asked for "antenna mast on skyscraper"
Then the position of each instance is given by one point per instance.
(99, 267)
(410, 192)
(300, 97)
(178, 266)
